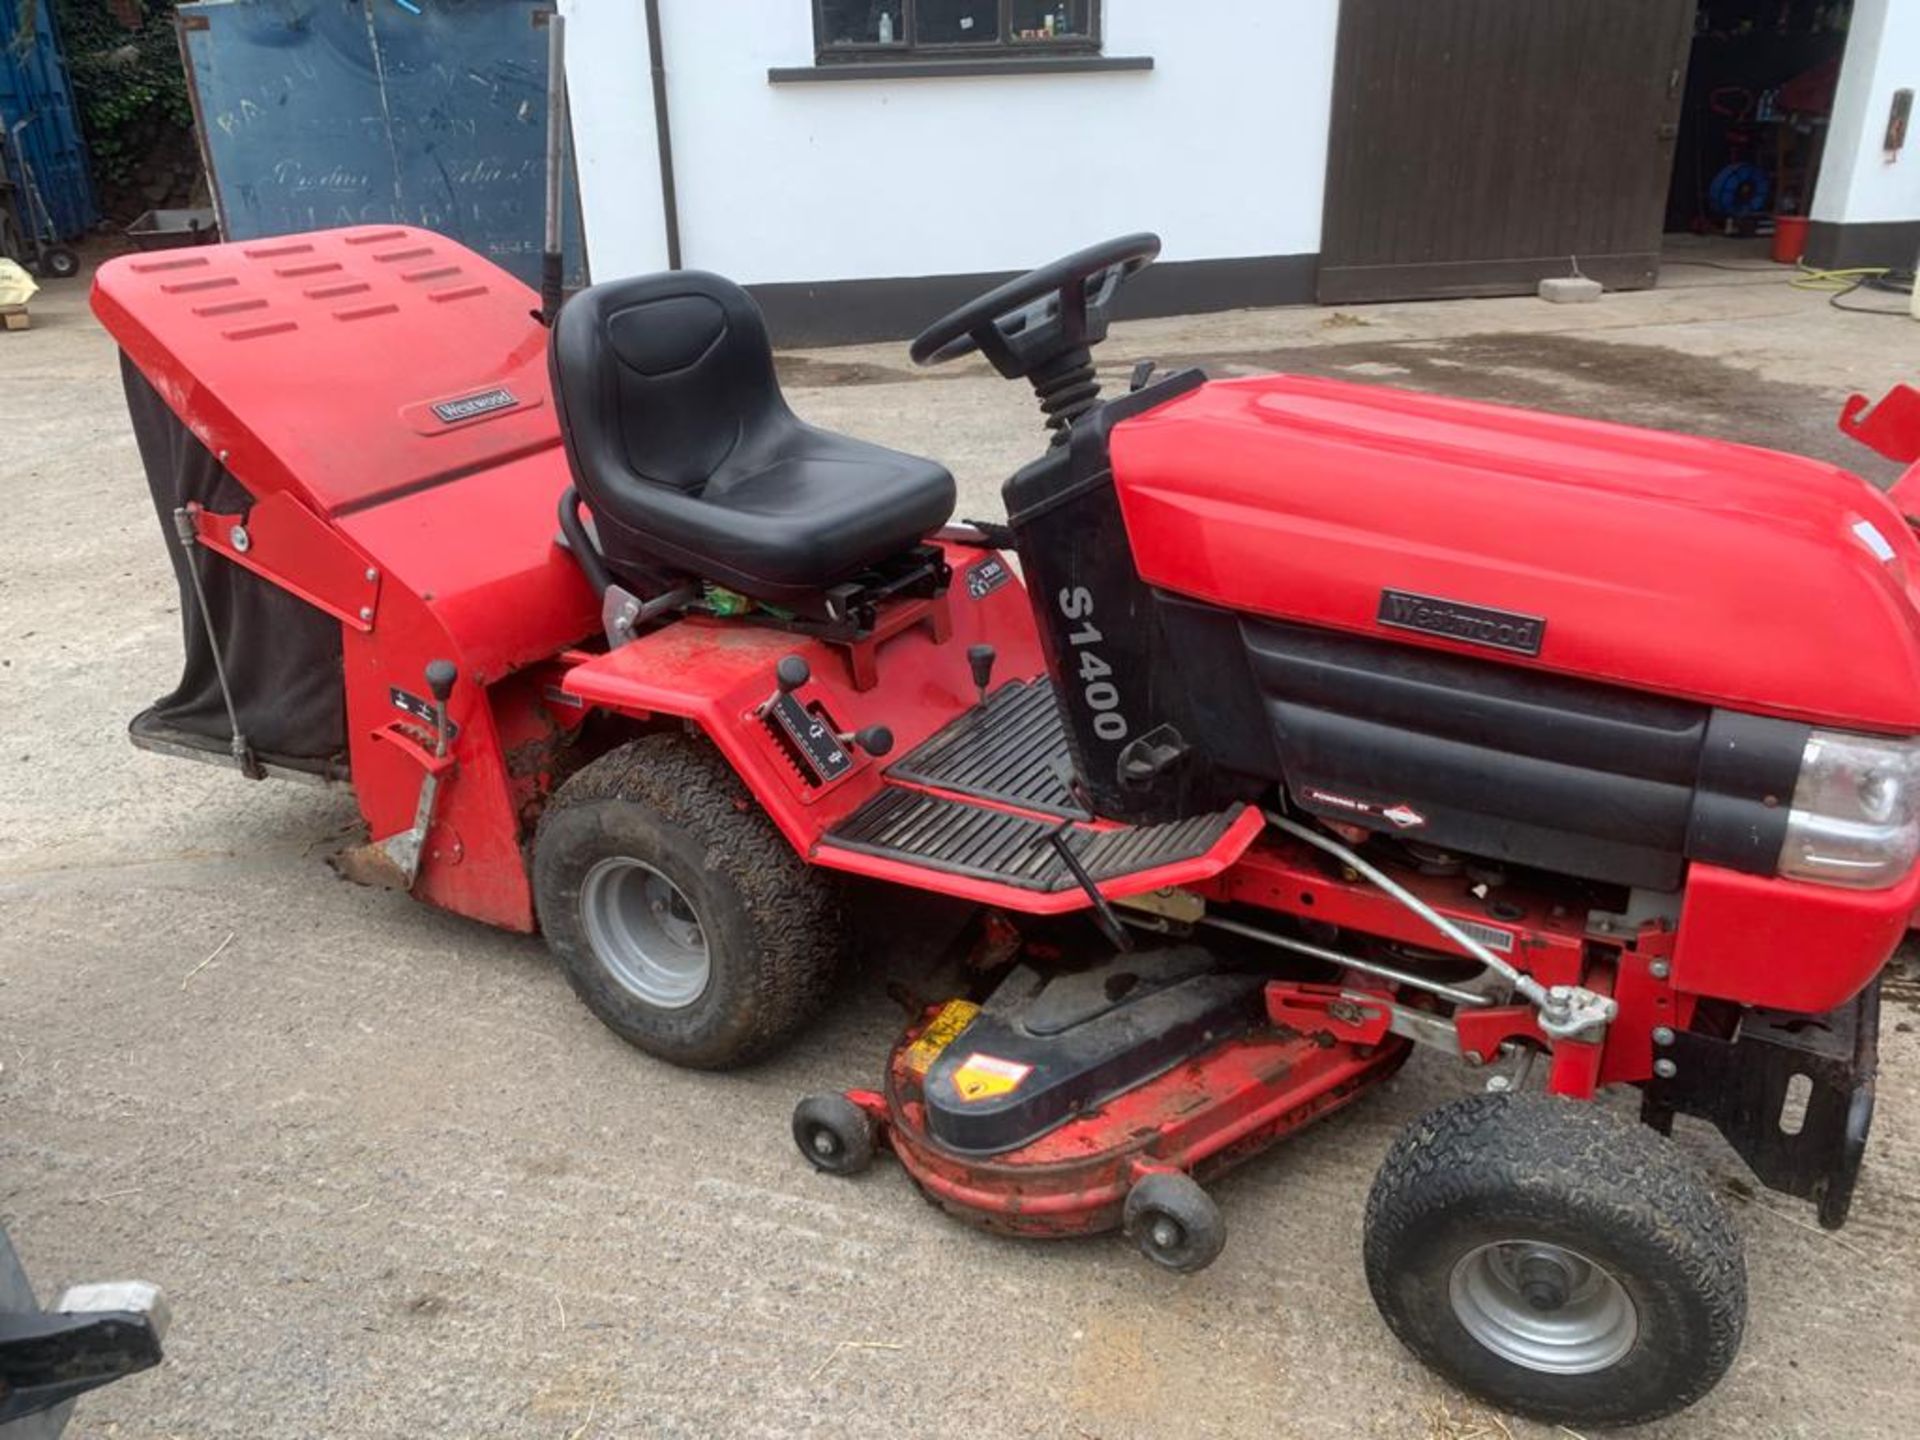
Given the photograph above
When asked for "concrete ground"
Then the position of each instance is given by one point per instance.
(400, 1184)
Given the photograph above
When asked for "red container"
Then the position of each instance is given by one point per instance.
(1789, 238)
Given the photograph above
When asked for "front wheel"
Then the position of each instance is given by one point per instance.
(1555, 1260)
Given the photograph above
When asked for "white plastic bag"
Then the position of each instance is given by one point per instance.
(16, 285)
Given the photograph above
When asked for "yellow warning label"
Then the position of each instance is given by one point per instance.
(986, 1077)
(941, 1032)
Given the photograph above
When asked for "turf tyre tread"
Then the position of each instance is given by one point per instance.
(1467, 1169)
(781, 927)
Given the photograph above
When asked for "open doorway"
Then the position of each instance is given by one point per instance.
(1760, 82)
(1479, 146)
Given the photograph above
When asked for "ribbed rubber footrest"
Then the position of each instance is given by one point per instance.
(1013, 750)
(968, 839)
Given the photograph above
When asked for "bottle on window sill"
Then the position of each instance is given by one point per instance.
(886, 27)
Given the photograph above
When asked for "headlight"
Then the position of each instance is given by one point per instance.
(1854, 820)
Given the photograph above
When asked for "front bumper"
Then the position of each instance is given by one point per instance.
(1786, 944)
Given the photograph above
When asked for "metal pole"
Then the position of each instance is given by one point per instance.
(1521, 981)
(1334, 957)
(663, 134)
(552, 273)
(243, 755)
(1567, 1012)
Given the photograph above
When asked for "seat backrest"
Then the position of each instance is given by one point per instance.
(658, 380)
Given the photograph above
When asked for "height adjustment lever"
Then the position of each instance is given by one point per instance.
(1104, 918)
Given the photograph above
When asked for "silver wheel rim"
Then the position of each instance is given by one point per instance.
(1543, 1307)
(646, 933)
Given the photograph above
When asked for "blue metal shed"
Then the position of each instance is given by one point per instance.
(34, 87)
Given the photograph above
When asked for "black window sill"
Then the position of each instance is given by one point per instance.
(943, 69)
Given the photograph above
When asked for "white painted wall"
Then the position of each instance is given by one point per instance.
(1221, 148)
(1858, 184)
(615, 151)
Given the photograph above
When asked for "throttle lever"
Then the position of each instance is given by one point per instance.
(788, 676)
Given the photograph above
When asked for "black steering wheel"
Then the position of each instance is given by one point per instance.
(1028, 325)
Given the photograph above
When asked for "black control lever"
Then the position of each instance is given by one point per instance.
(441, 675)
(980, 659)
(876, 740)
(407, 849)
(1103, 914)
(788, 676)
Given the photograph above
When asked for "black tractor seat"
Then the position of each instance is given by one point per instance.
(685, 451)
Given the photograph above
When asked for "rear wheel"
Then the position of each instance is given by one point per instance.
(59, 263)
(1555, 1260)
(682, 918)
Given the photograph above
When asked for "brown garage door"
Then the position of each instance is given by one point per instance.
(1477, 145)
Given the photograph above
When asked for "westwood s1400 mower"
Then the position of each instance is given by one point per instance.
(1316, 721)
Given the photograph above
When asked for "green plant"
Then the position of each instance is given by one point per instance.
(124, 58)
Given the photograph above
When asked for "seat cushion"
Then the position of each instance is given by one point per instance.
(819, 509)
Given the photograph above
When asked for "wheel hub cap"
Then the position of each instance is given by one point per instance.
(1543, 1307)
(646, 932)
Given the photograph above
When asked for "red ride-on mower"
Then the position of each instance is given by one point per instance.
(1317, 721)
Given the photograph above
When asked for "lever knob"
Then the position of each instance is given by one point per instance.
(791, 673)
(876, 740)
(980, 659)
(440, 677)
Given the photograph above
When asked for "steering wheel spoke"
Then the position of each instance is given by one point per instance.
(995, 341)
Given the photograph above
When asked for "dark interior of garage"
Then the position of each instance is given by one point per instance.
(1760, 83)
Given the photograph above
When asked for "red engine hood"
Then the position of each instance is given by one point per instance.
(1716, 572)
